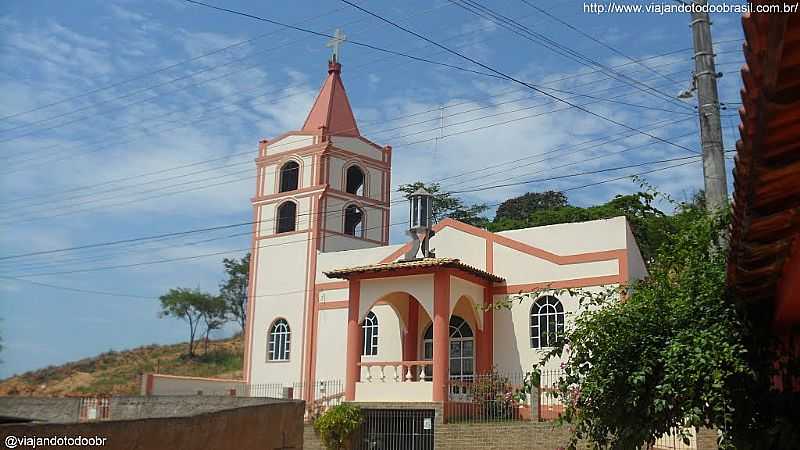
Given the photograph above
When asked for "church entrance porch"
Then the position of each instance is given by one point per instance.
(446, 332)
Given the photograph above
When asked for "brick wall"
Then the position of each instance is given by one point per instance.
(502, 435)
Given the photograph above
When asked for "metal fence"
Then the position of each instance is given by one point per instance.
(550, 405)
(395, 429)
(674, 441)
(319, 395)
(94, 408)
(488, 398)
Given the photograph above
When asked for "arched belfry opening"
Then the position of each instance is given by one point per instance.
(287, 217)
(289, 177)
(354, 221)
(355, 180)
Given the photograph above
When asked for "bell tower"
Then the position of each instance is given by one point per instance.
(322, 188)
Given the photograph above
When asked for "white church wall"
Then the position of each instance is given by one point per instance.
(308, 172)
(280, 293)
(331, 340)
(520, 268)
(351, 258)
(289, 143)
(357, 146)
(419, 286)
(268, 180)
(512, 347)
(335, 243)
(452, 243)
(459, 288)
(269, 215)
(636, 267)
(336, 179)
(574, 238)
(390, 341)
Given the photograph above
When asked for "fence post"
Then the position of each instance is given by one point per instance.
(536, 399)
(288, 392)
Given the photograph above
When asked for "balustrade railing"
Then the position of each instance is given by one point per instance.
(393, 371)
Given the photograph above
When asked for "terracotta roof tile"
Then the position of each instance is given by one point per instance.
(453, 263)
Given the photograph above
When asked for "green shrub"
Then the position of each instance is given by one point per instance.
(337, 424)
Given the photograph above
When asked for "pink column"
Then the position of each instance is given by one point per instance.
(441, 335)
(486, 336)
(410, 338)
(352, 371)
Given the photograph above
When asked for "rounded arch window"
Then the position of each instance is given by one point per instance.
(355, 180)
(287, 217)
(547, 321)
(354, 221)
(462, 350)
(290, 176)
(370, 327)
(279, 341)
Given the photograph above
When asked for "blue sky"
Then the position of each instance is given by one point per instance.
(111, 150)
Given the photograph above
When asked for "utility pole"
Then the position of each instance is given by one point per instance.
(705, 80)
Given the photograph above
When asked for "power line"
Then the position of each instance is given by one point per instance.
(161, 188)
(156, 71)
(104, 244)
(540, 39)
(594, 39)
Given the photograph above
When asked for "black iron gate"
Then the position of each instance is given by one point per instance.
(396, 429)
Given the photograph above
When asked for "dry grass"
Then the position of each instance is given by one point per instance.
(118, 373)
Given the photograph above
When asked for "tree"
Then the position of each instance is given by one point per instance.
(187, 305)
(519, 208)
(214, 312)
(676, 354)
(445, 205)
(234, 290)
(650, 226)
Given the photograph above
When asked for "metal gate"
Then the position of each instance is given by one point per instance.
(396, 429)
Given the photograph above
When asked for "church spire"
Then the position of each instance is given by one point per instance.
(331, 109)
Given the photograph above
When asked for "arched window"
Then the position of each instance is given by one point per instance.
(462, 350)
(287, 217)
(355, 180)
(370, 327)
(354, 221)
(290, 174)
(279, 339)
(547, 321)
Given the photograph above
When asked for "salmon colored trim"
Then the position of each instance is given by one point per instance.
(490, 253)
(360, 138)
(335, 193)
(332, 285)
(149, 384)
(339, 304)
(287, 233)
(294, 133)
(308, 150)
(468, 277)
(353, 353)
(367, 160)
(309, 354)
(338, 233)
(298, 193)
(563, 284)
(441, 335)
(278, 172)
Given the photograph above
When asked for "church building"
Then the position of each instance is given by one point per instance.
(331, 299)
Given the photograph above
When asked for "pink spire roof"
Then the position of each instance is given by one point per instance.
(332, 109)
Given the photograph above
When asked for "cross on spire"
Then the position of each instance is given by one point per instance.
(335, 43)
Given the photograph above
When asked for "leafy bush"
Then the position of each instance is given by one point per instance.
(337, 424)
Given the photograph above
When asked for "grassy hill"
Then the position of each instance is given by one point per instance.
(118, 372)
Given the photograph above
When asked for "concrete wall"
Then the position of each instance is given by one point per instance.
(157, 384)
(67, 409)
(41, 408)
(266, 426)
